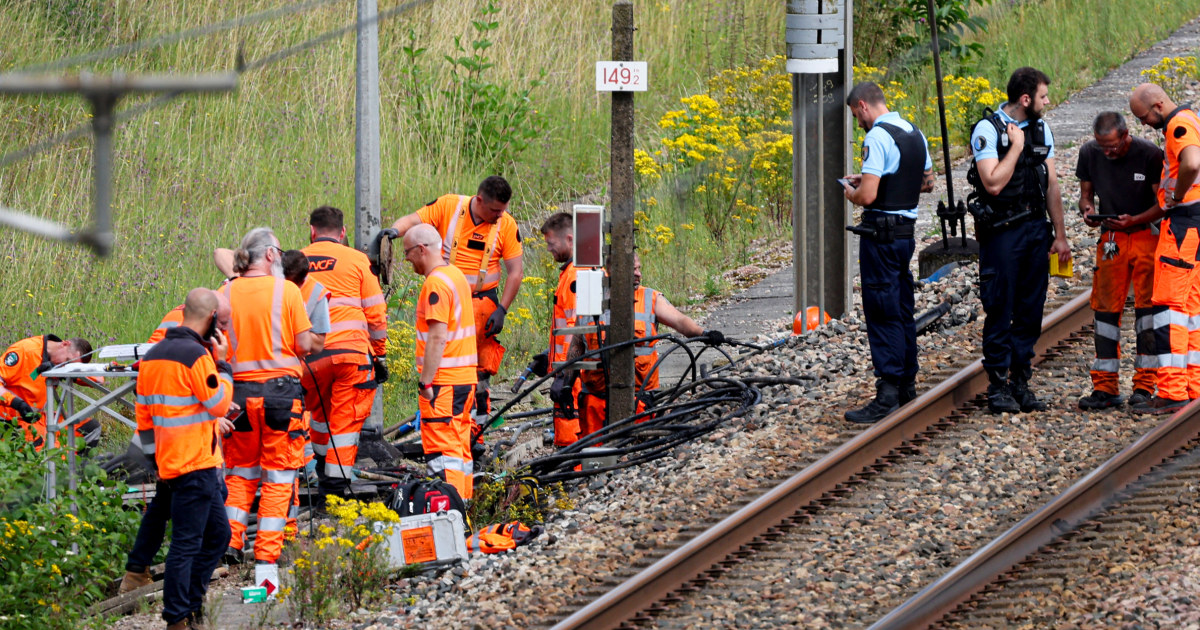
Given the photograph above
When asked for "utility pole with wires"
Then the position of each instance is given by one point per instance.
(102, 93)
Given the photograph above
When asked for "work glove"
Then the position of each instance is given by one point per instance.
(390, 233)
(713, 337)
(26, 412)
(560, 393)
(540, 366)
(495, 322)
(476, 433)
(381, 369)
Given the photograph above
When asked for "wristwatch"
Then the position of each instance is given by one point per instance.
(423, 386)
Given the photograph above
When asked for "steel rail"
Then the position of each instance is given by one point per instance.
(1057, 517)
(707, 549)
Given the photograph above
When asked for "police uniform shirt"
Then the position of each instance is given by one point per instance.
(1125, 185)
(984, 138)
(881, 156)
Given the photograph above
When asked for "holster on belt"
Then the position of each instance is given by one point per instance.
(883, 230)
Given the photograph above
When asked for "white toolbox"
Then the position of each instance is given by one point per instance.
(436, 539)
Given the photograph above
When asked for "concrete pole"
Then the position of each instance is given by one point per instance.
(366, 155)
(620, 261)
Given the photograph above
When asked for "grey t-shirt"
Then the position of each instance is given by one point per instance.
(1125, 185)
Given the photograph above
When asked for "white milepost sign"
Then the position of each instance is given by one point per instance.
(621, 76)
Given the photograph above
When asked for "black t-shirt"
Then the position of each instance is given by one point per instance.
(1125, 185)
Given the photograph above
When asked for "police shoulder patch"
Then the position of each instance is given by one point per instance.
(11, 359)
(1180, 131)
(434, 298)
(980, 143)
(866, 152)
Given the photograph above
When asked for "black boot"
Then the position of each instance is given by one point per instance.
(908, 392)
(887, 400)
(1019, 386)
(1000, 399)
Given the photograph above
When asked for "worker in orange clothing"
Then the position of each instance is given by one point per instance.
(182, 398)
(650, 308)
(1123, 172)
(22, 386)
(269, 335)
(340, 382)
(1177, 275)
(477, 233)
(445, 360)
(559, 233)
(153, 527)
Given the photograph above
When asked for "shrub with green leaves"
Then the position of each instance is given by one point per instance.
(54, 562)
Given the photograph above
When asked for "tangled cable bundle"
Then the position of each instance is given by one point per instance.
(696, 405)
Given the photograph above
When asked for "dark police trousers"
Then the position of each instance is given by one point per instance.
(1014, 268)
(887, 297)
(199, 538)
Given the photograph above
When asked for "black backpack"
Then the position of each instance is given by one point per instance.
(425, 496)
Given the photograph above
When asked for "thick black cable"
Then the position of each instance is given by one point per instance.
(133, 112)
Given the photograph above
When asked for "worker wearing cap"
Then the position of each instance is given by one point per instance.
(270, 332)
(153, 526)
(340, 381)
(1123, 172)
(445, 360)
(1176, 295)
(650, 308)
(477, 233)
(22, 386)
(182, 398)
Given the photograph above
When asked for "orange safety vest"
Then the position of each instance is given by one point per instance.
(645, 324)
(180, 396)
(475, 249)
(268, 313)
(445, 297)
(564, 312)
(1181, 131)
(21, 370)
(501, 537)
(173, 318)
(312, 293)
(357, 309)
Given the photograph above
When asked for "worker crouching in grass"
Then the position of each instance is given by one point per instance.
(183, 395)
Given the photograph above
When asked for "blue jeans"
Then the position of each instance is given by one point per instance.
(199, 539)
(152, 530)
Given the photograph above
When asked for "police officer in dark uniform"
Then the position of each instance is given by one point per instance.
(896, 170)
(1016, 190)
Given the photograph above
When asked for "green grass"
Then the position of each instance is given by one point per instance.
(1075, 42)
(201, 171)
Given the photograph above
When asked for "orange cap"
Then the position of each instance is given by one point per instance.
(811, 320)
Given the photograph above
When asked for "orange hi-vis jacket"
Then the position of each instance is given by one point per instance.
(20, 377)
(181, 393)
(645, 324)
(312, 292)
(268, 313)
(564, 312)
(173, 318)
(357, 309)
(1182, 130)
(475, 249)
(446, 297)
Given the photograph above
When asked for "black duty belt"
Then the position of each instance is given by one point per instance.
(884, 228)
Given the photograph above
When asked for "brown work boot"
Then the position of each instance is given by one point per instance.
(133, 581)
(1159, 405)
(182, 624)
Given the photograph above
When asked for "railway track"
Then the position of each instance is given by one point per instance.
(791, 524)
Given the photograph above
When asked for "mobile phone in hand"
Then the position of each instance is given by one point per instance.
(845, 182)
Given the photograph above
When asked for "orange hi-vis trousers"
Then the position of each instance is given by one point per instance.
(1134, 262)
(267, 446)
(567, 421)
(1177, 308)
(488, 349)
(446, 436)
(339, 389)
